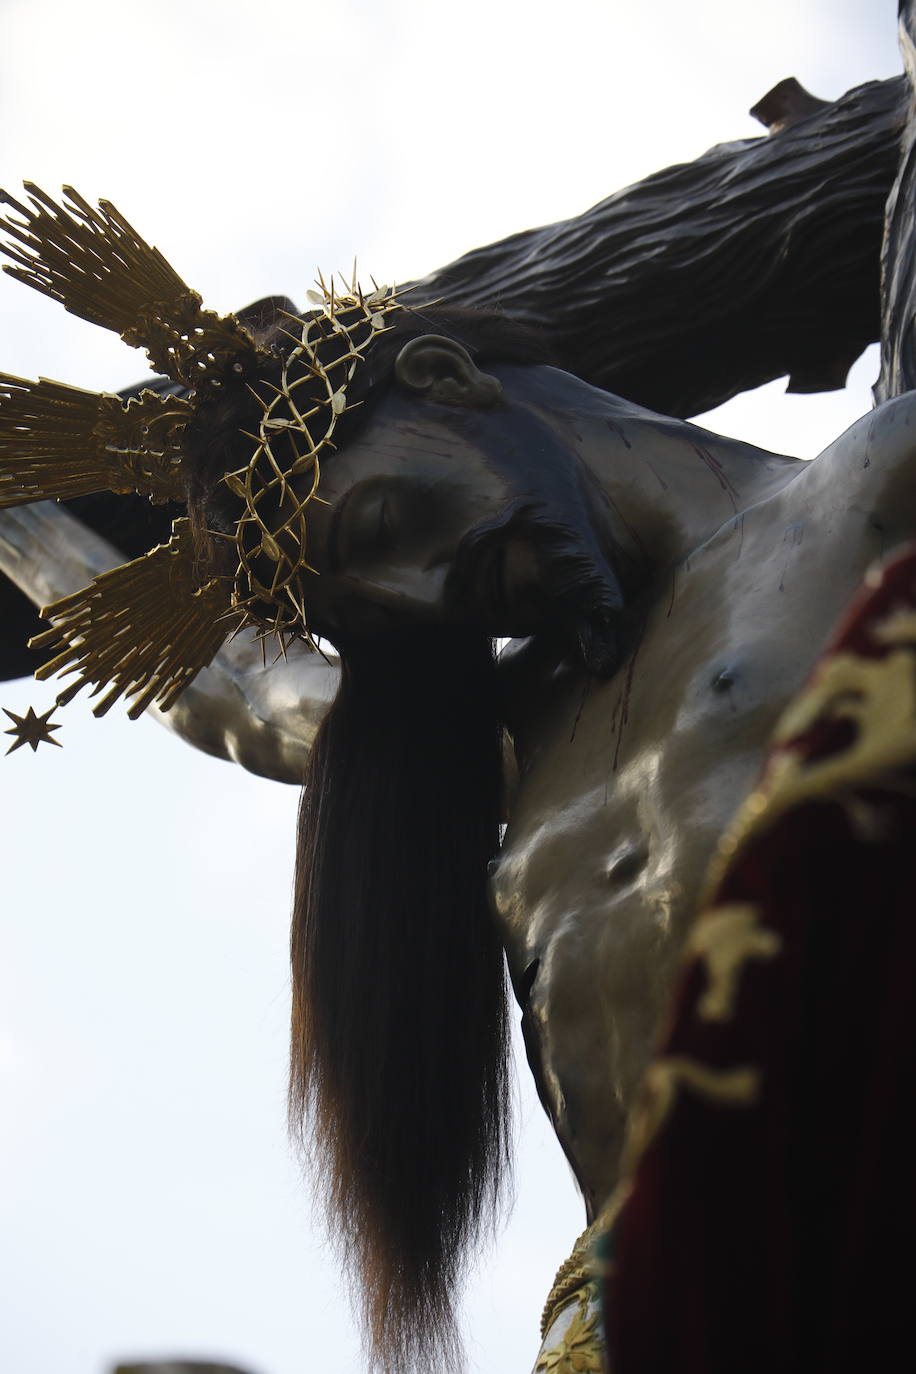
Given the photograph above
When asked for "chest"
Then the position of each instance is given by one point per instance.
(625, 785)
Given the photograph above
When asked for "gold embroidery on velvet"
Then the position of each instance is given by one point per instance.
(878, 696)
(724, 939)
(899, 627)
(663, 1081)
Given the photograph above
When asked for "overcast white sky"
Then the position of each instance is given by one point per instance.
(149, 1204)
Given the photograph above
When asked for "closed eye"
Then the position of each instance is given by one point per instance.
(382, 516)
(362, 526)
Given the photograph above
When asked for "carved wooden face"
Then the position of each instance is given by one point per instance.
(440, 514)
(402, 497)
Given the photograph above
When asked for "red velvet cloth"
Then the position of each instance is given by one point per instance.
(779, 1234)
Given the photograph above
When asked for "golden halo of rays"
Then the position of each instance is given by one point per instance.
(145, 629)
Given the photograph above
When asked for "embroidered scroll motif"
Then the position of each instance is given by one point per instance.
(724, 939)
(877, 696)
(661, 1086)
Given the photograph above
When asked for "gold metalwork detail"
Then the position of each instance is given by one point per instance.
(31, 729)
(144, 629)
(574, 1274)
(581, 1348)
(724, 939)
(59, 441)
(96, 264)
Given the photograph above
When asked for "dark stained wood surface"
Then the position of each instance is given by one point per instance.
(758, 260)
(898, 257)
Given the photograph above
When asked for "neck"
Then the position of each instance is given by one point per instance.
(662, 486)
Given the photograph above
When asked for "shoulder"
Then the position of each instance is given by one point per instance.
(873, 464)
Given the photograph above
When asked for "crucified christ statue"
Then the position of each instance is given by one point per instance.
(663, 592)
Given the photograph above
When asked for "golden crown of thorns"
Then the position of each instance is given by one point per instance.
(146, 628)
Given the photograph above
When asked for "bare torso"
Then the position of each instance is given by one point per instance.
(625, 786)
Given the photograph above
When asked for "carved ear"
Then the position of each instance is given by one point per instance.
(442, 370)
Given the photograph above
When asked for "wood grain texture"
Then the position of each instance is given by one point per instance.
(898, 254)
(758, 260)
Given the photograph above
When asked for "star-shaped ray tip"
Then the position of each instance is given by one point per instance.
(31, 729)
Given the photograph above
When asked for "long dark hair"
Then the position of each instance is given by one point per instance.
(399, 1085)
(399, 1088)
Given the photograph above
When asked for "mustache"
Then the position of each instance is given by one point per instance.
(583, 598)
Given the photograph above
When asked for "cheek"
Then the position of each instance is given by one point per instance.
(371, 601)
(317, 525)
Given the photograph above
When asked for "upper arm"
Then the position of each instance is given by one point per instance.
(262, 716)
(243, 707)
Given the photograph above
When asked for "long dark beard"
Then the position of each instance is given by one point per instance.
(399, 1068)
(584, 600)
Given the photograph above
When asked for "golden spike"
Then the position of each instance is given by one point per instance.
(265, 405)
(296, 339)
(267, 386)
(313, 643)
(96, 264)
(57, 441)
(145, 629)
(235, 482)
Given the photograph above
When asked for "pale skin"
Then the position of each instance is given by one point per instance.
(624, 785)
